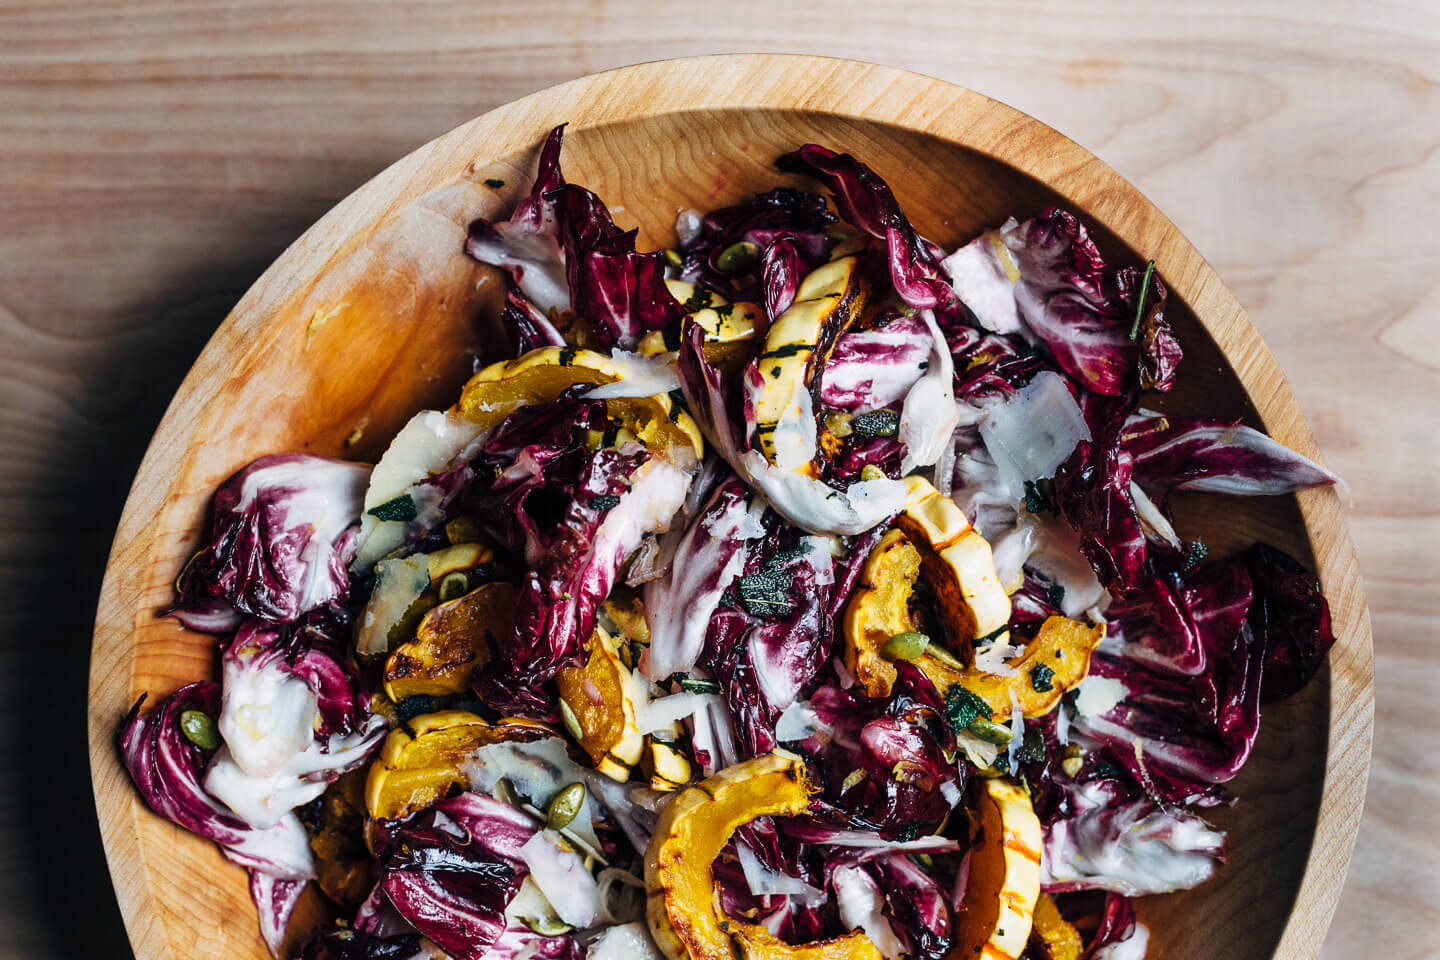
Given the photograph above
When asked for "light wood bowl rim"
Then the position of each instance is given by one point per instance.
(784, 82)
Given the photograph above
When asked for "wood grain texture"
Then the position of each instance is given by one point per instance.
(155, 156)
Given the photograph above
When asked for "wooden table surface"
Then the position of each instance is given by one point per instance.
(155, 155)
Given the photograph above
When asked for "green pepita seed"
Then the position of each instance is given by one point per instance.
(564, 806)
(738, 257)
(838, 423)
(990, 731)
(855, 778)
(1074, 760)
(672, 257)
(547, 926)
(199, 729)
(572, 722)
(939, 652)
(453, 586)
(871, 472)
(905, 646)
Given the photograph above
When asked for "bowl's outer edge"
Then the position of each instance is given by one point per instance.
(784, 82)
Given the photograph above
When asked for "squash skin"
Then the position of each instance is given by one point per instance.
(597, 694)
(450, 643)
(828, 301)
(681, 905)
(413, 771)
(543, 374)
(995, 917)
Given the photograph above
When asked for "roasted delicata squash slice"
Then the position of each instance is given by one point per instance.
(681, 905)
(664, 761)
(450, 643)
(1053, 937)
(543, 374)
(955, 561)
(828, 301)
(1052, 663)
(598, 701)
(995, 917)
(417, 767)
(933, 540)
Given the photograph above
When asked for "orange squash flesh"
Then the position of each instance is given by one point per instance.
(995, 917)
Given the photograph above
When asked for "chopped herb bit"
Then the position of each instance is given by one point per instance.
(494, 182)
(1038, 496)
(402, 508)
(697, 301)
(876, 423)
(784, 557)
(1140, 302)
(924, 364)
(605, 501)
(962, 707)
(906, 832)
(1032, 748)
(766, 594)
(698, 685)
(567, 355)
(1195, 552)
(1105, 768)
(1042, 678)
(199, 729)
(725, 310)
(775, 371)
(1057, 594)
(411, 707)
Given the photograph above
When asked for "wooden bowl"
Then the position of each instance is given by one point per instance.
(372, 313)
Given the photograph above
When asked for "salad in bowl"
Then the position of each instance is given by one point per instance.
(802, 591)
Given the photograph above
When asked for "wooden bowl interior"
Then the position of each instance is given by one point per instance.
(388, 325)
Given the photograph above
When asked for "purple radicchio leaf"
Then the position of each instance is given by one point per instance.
(1170, 627)
(1215, 456)
(1049, 273)
(709, 557)
(1290, 617)
(865, 202)
(1180, 736)
(874, 368)
(529, 328)
(908, 787)
(770, 634)
(916, 906)
(281, 535)
(275, 901)
(990, 365)
(799, 218)
(596, 514)
(620, 291)
(1119, 934)
(293, 719)
(528, 244)
(1120, 840)
(452, 869)
(344, 943)
(1092, 489)
(165, 766)
(780, 275)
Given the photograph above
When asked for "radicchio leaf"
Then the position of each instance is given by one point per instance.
(1125, 842)
(1290, 617)
(865, 201)
(354, 944)
(607, 503)
(798, 218)
(1068, 297)
(529, 328)
(281, 535)
(1215, 456)
(165, 765)
(709, 557)
(916, 906)
(620, 291)
(874, 368)
(1092, 488)
(275, 901)
(528, 244)
(452, 869)
(780, 275)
